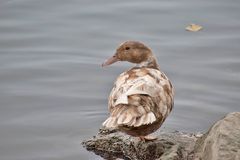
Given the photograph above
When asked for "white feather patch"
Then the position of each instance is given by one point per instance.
(145, 119)
(110, 122)
(123, 99)
(138, 88)
(152, 117)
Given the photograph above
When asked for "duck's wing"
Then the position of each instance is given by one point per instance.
(139, 97)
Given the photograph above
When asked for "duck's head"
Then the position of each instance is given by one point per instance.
(134, 52)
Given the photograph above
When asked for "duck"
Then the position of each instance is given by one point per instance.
(142, 97)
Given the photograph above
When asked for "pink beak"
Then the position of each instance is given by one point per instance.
(110, 61)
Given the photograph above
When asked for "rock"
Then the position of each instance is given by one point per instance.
(222, 141)
(111, 144)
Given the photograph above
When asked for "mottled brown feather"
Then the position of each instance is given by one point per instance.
(132, 117)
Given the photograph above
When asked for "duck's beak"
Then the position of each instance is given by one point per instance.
(110, 61)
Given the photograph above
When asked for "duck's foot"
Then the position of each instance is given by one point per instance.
(147, 138)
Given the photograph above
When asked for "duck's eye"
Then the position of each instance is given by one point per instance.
(127, 48)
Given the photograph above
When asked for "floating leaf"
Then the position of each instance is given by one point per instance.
(193, 27)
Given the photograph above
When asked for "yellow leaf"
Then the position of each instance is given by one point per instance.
(193, 27)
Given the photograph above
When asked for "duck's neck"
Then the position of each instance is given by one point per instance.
(151, 62)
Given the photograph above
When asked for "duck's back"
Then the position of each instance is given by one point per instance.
(140, 97)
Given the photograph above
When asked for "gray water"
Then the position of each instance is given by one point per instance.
(53, 92)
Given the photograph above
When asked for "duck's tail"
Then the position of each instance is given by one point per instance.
(130, 116)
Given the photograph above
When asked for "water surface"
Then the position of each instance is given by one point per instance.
(53, 92)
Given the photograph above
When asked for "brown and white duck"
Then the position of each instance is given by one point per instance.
(142, 97)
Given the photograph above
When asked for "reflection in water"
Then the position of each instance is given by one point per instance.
(54, 92)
